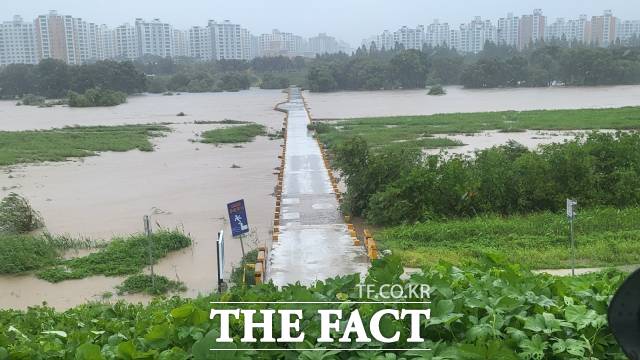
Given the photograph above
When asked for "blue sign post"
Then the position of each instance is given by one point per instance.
(238, 220)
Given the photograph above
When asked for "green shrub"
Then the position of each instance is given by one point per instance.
(239, 274)
(437, 90)
(396, 185)
(146, 284)
(32, 100)
(17, 216)
(97, 97)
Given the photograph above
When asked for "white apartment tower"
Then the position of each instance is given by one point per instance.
(226, 41)
(437, 34)
(181, 43)
(125, 42)
(323, 44)
(508, 30)
(474, 35)
(199, 43)
(410, 38)
(154, 38)
(17, 42)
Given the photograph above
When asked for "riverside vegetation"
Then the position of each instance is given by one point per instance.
(23, 251)
(418, 130)
(457, 207)
(490, 311)
(78, 141)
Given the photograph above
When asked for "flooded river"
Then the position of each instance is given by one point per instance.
(181, 184)
(348, 104)
(186, 184)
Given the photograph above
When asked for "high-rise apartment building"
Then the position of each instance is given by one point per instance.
(627, 30)
(475, 34)
(279, 43)
(410, 38)
(125, 42)
(508, 30)
(323, 44)
(199, 43)
(531, 28)
(603, 29)
(154, 38)
(570, 30)
(226, 41)
(17, 42)
(180, 43)
(437, 33)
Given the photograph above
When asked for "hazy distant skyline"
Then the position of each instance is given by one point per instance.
(348, 20)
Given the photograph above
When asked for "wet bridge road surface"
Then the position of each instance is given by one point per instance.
(314, 242)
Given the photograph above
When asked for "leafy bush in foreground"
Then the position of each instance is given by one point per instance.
(487, 312)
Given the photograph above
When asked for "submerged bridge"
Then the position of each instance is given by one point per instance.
(311, 239)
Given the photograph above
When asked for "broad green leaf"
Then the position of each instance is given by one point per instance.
(88, 351)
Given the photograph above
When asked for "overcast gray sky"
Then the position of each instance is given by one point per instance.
(350, 20)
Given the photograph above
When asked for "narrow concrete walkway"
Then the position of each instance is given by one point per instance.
(314, 243)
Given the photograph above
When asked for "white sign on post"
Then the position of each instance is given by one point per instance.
(221, 253)
(571, 212)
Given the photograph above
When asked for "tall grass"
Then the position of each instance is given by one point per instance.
(233, 134)
(604, 237)
(61, 144)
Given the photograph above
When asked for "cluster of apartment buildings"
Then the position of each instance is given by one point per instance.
(77, 41)
(516, 31)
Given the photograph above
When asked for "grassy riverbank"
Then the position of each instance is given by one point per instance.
(604, 237)
(380, 131)
(61, 144)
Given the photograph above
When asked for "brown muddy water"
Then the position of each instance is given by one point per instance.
(349, 104)
(181, 184)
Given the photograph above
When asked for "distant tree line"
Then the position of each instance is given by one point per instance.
(54, 79)
(541, 64)
(496, 66)
(189, 75)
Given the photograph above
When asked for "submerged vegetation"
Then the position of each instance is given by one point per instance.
(80, 141)
(604, 237)
(382, 131)
(121, 256)
(233, 134)
(489, 311)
